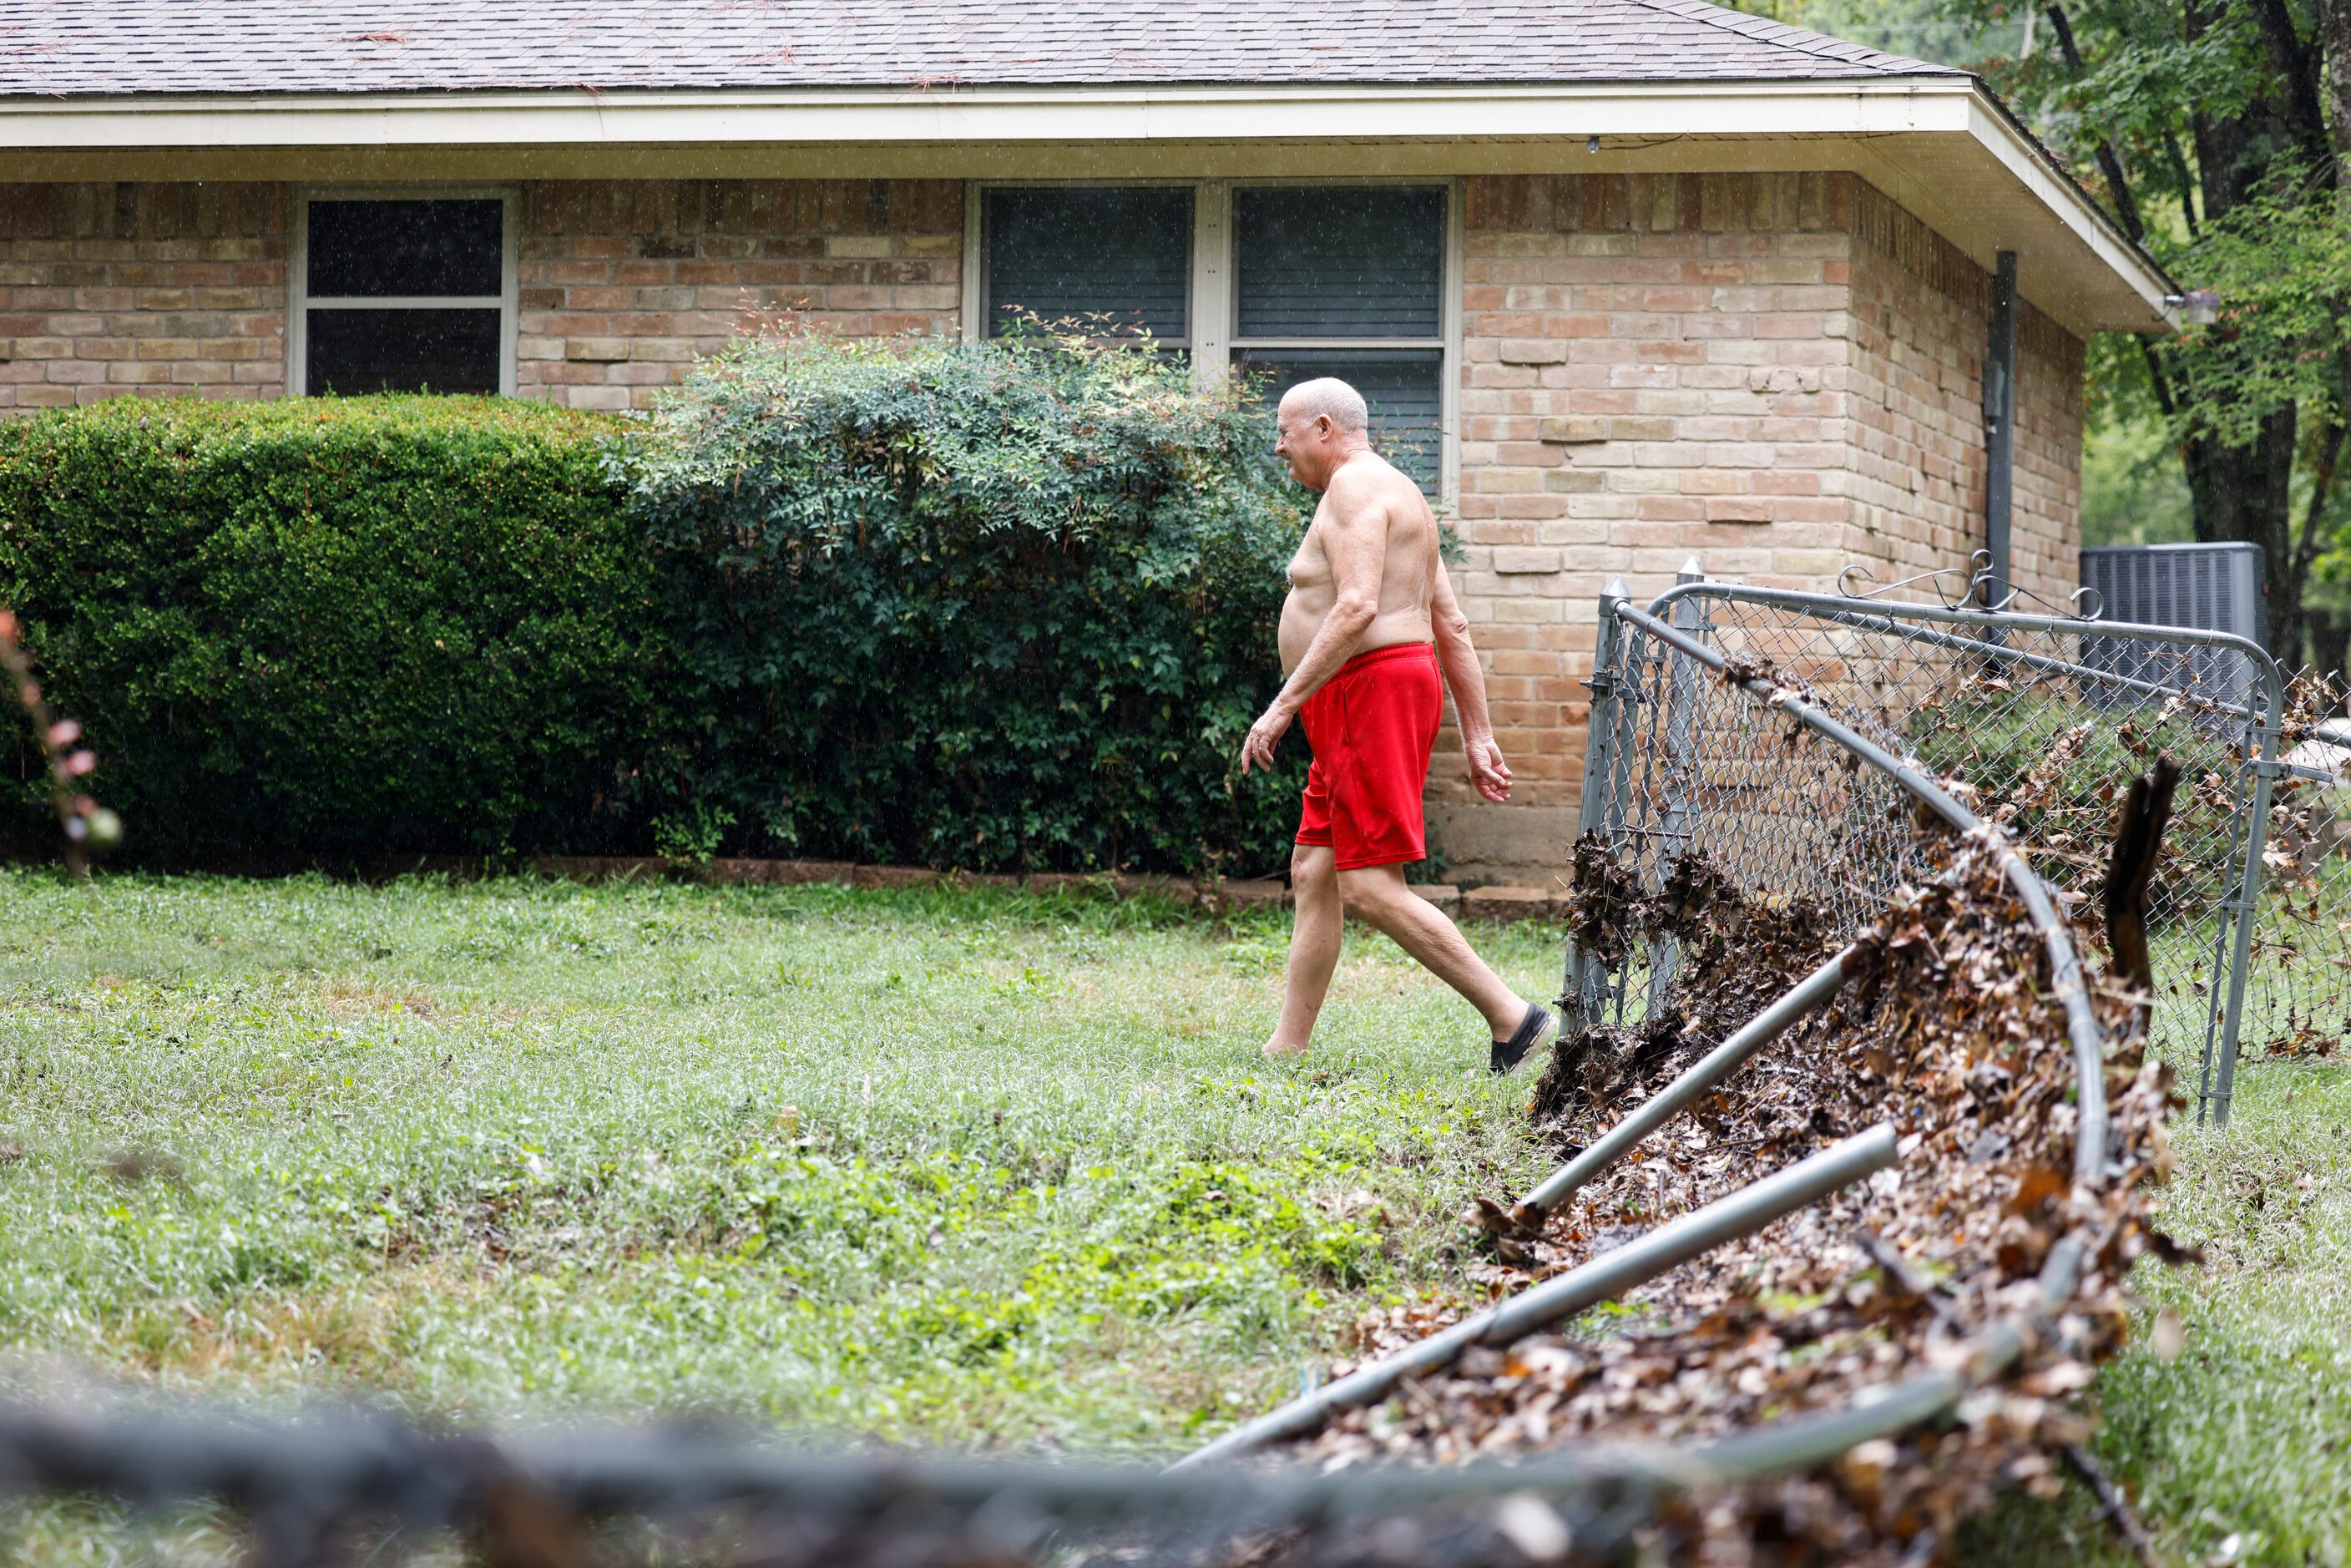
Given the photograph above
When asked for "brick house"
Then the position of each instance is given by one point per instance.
(1626, 280)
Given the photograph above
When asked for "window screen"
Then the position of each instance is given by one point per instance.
(1359, 261)
(355, 351)
(405, 296)
(1402, 387)
(1123, 256)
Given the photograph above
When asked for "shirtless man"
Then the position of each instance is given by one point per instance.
(1369, 624)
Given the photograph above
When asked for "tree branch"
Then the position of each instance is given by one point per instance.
(2118, 190)
(2113, 1506)
(2187, 182)
(2295, 65)
(2162, 383)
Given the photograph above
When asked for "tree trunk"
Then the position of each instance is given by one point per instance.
(2246, 492)
(2330, 645)
(2333, 42)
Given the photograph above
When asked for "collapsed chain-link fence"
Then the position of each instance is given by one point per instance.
(2038, 722)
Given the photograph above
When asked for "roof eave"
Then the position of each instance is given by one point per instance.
(1941, 145)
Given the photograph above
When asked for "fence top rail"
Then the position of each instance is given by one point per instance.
(2065, 970)
(1850, 612)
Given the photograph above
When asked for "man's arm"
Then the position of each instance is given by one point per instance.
(1355, 541)
(1467, 681)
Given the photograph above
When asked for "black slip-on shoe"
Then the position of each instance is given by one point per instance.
(1509, 1053)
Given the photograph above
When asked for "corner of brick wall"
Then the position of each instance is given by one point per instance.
(1775, 374)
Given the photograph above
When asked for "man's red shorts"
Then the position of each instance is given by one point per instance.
(1372, 726)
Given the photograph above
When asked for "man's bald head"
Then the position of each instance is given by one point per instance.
(1321, 423)
(1326, 397)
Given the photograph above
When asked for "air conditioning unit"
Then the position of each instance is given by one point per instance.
(2214, 588)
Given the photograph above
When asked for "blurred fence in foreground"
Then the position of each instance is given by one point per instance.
(345, 1487)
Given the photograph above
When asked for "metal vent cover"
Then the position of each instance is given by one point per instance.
(2211, 587)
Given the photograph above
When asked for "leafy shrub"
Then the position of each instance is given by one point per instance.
(335, 626)
(995, 606)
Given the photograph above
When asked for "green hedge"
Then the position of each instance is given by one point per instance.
(998, 606)
(336, 627)
(995, 606)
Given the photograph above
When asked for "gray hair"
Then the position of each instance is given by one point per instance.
(1328, 396)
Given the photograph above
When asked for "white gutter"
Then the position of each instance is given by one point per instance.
(1630, 118)
(1875, 107)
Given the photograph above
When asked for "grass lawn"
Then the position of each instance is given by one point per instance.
(2247, 1435)
(952, 1167)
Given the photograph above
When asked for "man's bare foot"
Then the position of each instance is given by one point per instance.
(1274, 1050)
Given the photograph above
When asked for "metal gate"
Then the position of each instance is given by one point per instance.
(2040, 721)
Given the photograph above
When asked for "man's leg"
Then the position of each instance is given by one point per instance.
(1381, 896)
(1313, 946)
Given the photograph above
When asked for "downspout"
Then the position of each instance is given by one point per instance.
(1999, 427)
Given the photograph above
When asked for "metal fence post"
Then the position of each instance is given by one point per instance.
(2244, 906)
(1583, 988)
(2244, 902)
(1681, 747)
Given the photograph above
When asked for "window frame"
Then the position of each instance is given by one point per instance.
(1213, 307)
(300, 301)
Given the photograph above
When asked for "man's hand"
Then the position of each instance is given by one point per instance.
(1264, 736)
(1487, 769)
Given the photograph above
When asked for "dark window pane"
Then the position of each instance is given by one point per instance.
(1361, 262)
(377, 248)
(356, 351)
(1405, 389)
(1125, 254)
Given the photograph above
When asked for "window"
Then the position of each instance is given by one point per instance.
(1281, 281)
(403, 294)
(1121, 255)
(1319, 276)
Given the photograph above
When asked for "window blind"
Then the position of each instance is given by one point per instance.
(1340, 262)
(1121, 254)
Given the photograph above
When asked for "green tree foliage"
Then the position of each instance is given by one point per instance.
(997, 606)
(2210, 132)
(2207, 129)
(333, 626)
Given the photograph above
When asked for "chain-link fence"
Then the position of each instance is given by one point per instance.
(2039, 722)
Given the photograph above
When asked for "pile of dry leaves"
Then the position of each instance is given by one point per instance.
(1947, 1027)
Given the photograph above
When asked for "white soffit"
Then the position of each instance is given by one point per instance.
(1940, 147)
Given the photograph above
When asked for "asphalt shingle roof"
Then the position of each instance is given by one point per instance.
(97, 46)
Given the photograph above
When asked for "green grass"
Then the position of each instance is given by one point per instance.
(2248, 1434)
(951, 1167)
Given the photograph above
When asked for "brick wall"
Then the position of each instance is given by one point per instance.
(148, 288)
(1920, 312)
(623, 282)
(1776, 373)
